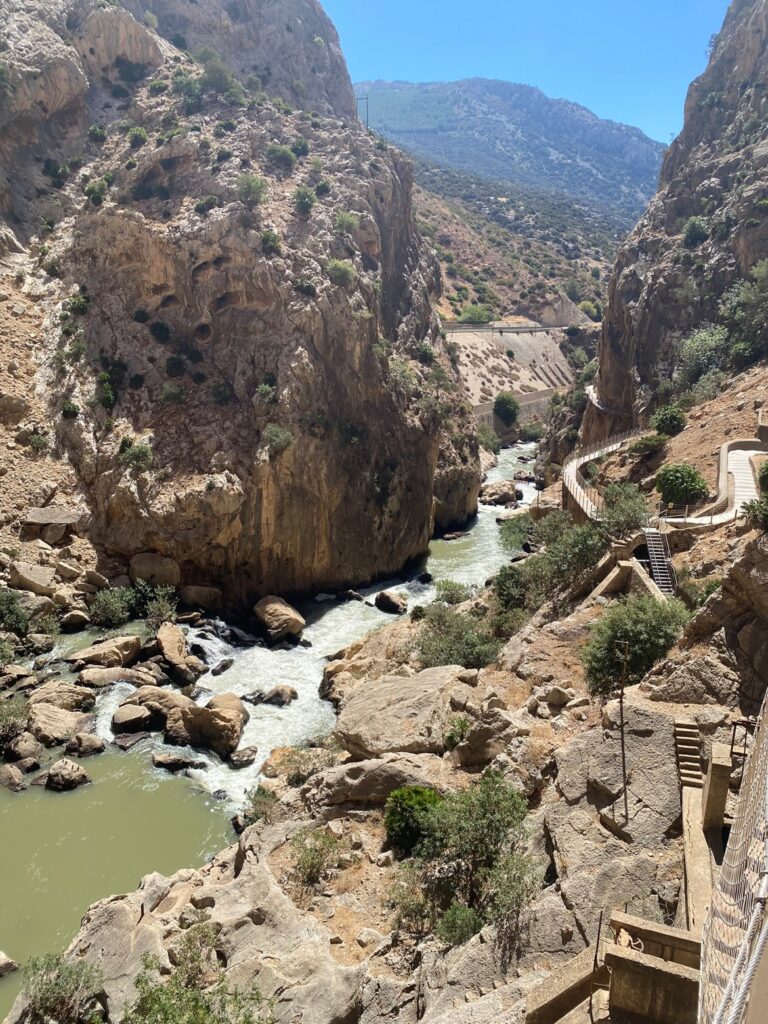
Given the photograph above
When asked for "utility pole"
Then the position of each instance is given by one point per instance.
(622, 684)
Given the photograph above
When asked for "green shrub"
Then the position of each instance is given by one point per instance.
(160, 331)
(449, 638)
(515, 532)
(304, 287)
(322, 189)
(680, 484)
(172, 394)
(304, 199)
(223, 393)
(113, 607)
(669, 420)
(6, 657)
(756, 514)
(251, 190)
(156, 87)
(106, 395)
(762, 477)
(649, 444)
(60, 990)
(78, 304)
(507, 408)
(341, 273)
(97, 133)
(270, 243)
(96, 189)
(282, 158)
(136, 456)
(451, 592)
(266, 393)
(316, 853)
(625, 510)
(137, 137)
(640, 630)
(510, 587)
(175, 366)
(458, 924)
(477, 314)
(277, 438)
(300, 147)
(70, 410)
(532, 432)
(39, 442)
(402, 817)
(425, 353)
(457, 732)
(695, 232)
(223, 153)
(161, 607)
(13, 618)
(488, 438)
(345, 223)
(206, 204)
(13, 718)
(141, 316)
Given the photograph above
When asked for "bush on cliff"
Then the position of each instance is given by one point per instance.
(61, 990)
(680, 484)
(637, 631)
(625, 510)
(404, 811)
(507, 408)
(449, 638)
(756, 514)
(111, 608)
(488, 439)
(762, 477)
(13, 618)
(669, 420)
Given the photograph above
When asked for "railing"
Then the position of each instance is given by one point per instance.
(586, 496)
(457, 328)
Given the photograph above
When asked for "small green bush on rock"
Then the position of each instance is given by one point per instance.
(13, 618)
(277, 438)
(680, 484)
(137, 137)
(341, 273)
(402, 816)
(507, 408)
(450, 638)
(669, 420)
(111, 608)
(60, 990)
(756, 514)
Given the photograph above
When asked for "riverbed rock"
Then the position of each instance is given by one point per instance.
(243, 758)
(65, 774)
(207, 598)
(409, 714)
(177, 762)
(63, 695)
(155, 569)
(500, 492)
(52, 725)
(23, 746)
(391, 603)
(218, 726)
(222, 666)
(173, 648)
(37, 579)
(279, 696)
(159, 702)
(279, 618)
(111, 653)
(132, 718)
(85, 744)
(74, 621)
(12, 778)
(7, 966)
(98, 678)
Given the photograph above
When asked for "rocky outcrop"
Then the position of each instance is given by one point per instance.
(715, 170)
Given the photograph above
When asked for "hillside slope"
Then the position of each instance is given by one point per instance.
(515, 133)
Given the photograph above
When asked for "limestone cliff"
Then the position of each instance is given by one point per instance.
(242, 361)
(717, 170)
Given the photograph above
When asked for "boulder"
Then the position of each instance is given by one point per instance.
(400, 713)
(74, 621)
(12, 778)
(391, 603)
(37, 579)
(132, 718)
(52, 725)
(155, 569)
(85, 744)
(222, 666)
(280, 696)
(63, 695)
(22, 746)
(97, 678)
(111, 653)
(243, 758)
(7, 966)
(173, 648)
(207, 598)
(369, 783)
(158, 702)
(500, 492)
(12, 409)
(65, 774)
(218, 726)
(177, 762)
(96, 579)
(278, 618)
(556, 696)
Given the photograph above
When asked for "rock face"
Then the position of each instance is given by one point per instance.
(716, 170)
(272, 355)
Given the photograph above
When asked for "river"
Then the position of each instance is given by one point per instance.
(61, 852)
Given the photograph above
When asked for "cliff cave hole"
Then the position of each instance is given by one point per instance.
(221, 261)
(224, 301)
(168, 301)
(203, 332)
(158, 289)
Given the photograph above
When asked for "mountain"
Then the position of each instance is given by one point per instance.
(705, 231)
(514, 133)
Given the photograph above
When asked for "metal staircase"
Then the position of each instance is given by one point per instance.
(688, 750)
(662, 571)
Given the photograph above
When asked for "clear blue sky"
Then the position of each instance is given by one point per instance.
(628, 60)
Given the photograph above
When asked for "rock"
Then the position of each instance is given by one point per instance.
(207, 598)
(125, 741)
(369, 783)
(280, 696)
(142, 675)
(410, 714)
(63, 695)
(132, 718)
(217, 726)
(173, 648)
(501, 492)
(222, 667)
(12, 409)
(577, 702)
(65, 775)
(392, 604)
(40, 643)
(385, 860)
(37, 579)
(369, 937)
(470, 677)
(74, 621)
(244, 757)
(159, 702)
(52, 725)
(85, 744)
(27, 765)
(116, 651)
(21, 747)
(96, 579)
(279, 618)
(12, 778)
(155, 569)
(555, 695)
(67, 571)
(177, 762)
(7, 966)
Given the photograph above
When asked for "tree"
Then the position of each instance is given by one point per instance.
(625, 510)
(699, 353)
(303, 200)
(403, 815)
(640, 630)
(680, 484)
(250, 190)
(695, 232)
(60, 990)
(669, 420)
(506, 407)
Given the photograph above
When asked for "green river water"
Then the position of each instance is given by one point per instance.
(61, 852)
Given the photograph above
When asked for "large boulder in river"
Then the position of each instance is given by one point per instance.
(400, 713)
(173, 648)
(111, 653)
(391, 603)
(12, 778)
(279, 618)
(132, 718)
(500, 492)
(85, 744)
(217, 727)
(142, 675)
(155, 569)
(279, 696)
(159, 703)
(21, 747)
(52, 725)
(66, 774)
(63, 695)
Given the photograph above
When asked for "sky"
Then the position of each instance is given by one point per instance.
(627, 60)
